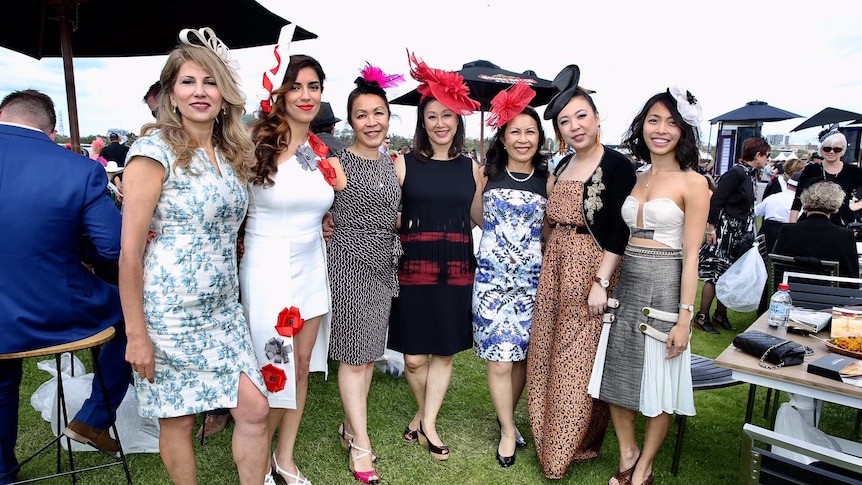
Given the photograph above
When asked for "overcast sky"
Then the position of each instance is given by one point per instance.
(798, 56)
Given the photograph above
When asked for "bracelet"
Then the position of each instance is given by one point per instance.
(683, 306)
(710, 233)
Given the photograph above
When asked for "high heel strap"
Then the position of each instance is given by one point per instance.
(289, 478)
(370, 477)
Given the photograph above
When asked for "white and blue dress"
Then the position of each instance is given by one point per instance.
(509, 262)
(191, 291)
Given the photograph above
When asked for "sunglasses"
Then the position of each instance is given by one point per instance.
(830, 149)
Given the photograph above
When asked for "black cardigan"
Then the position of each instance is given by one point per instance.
(618, 177)
(734, 195)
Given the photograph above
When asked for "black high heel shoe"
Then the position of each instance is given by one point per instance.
(721, 320)
(439, 453)
(702, 323)
(505, 461)
(520, 442)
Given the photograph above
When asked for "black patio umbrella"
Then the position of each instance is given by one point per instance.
(756, 111)
(829, 116)
(485, 79)
(110, 28)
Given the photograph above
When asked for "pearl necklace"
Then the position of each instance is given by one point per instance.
(516, 179)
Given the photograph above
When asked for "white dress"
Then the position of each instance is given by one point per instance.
(284, 266)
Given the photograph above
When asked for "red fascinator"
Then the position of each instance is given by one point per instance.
(509, 104)
(445, 86)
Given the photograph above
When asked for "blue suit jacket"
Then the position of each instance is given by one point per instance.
(55, 212)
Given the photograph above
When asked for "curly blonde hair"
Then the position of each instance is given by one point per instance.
(229, 135)
(823, 197)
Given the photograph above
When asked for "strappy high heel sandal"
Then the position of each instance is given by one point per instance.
(289, 478)
(346, 438)
(625, 477)
(369, 477)
(439, 453)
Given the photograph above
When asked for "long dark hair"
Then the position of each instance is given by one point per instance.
(271, 131)
(687, 152)
(496, 157)
(422, 144)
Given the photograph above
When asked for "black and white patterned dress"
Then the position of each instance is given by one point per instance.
(362, 256)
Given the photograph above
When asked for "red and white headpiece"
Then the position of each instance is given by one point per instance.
(272, 77)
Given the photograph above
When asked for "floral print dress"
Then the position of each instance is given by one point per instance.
(191, 291)
(508, 266)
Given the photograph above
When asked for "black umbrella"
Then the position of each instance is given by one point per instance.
(756, 111)
(486, 79)
(110, 28)
(829, 116)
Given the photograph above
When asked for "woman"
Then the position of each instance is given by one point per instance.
(779, 182)
(514, 194)
(431, 315)
(666, 213)
(363, 252)
(578, 270)
(816, 236)
(283, 277)
(185, 198)
(96, 150)
(849, 177)
(731, 216)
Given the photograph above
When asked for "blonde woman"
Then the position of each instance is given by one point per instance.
(185, 197)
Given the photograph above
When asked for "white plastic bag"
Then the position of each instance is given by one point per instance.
(796, 419)
(741, 286)
(391, 362)
(137, 434)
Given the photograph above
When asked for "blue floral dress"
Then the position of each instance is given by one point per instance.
(509, 263)
(191, 293)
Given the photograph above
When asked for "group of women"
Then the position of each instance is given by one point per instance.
(201, 194)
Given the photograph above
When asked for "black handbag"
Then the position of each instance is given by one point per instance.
(778, 351)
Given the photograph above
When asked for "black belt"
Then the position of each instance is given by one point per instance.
(577, 229)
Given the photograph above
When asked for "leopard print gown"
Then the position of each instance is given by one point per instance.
(568, 425)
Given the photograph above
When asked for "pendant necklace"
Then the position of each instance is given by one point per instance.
(516, 179)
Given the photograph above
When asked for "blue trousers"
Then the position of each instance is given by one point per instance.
(115, 371)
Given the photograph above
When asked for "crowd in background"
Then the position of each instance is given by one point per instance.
(251, 256)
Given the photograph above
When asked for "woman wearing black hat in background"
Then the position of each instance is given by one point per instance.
(579, 268)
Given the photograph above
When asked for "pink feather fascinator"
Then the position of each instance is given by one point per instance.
(373, 74)
(509, 104)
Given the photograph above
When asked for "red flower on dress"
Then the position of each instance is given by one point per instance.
(151, 236)
(274, 378)
(320, 149)
(289, 322)
(327, 171)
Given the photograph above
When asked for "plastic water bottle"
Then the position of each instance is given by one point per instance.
(779, 306)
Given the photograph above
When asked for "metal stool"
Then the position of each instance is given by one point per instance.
(93, 344)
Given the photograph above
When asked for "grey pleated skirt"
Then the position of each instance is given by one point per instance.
(649, 277)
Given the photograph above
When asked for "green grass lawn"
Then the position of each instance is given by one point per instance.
(467, 424)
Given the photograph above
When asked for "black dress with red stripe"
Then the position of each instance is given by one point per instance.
(431, 314)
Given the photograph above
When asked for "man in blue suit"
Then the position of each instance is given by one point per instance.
(55, 214)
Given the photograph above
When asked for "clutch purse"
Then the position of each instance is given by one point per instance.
(768, 348)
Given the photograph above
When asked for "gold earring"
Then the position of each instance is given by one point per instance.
(599, 137)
